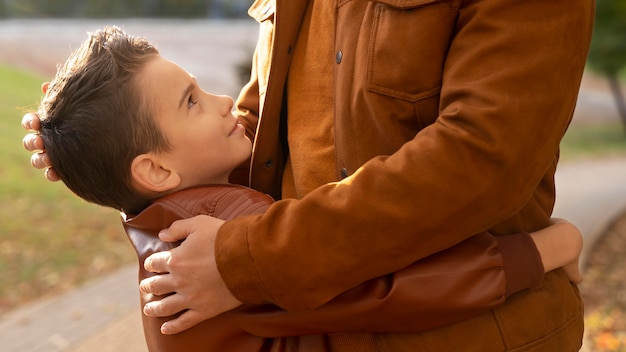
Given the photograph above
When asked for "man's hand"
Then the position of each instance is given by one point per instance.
(34, 143)
(190, 271)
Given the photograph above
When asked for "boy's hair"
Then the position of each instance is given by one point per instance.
(95, 121)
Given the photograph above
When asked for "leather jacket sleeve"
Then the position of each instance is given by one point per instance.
(451, 286)
(447, 287)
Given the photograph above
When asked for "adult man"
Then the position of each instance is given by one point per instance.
(437, 119)
(393, 129)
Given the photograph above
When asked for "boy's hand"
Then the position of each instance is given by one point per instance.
(34, 143)
(574, 247)
(560, 246)
(190, 271)
(573, 272)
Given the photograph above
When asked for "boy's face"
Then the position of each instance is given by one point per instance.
(206, 140)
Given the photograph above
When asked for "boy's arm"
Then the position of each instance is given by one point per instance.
(451, 286)
(447, 287)
(454, 285)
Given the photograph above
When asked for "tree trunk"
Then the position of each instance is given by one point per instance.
(619, 97)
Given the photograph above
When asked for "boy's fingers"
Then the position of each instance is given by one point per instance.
(557, 221)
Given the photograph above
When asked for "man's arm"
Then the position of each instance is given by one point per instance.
(507, 97)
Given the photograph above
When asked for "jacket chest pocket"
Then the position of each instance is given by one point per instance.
(408, 45)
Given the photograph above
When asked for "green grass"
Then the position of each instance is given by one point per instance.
(50, 240)
(604, 139)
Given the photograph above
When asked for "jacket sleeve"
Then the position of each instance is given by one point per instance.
(447, 287)
(422, 296)
(509, 89)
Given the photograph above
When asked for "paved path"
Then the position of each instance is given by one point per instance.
(591, 194)
(105, 312)
(211, 50)
(103, 316)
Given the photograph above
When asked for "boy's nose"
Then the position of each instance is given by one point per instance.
(226, 105)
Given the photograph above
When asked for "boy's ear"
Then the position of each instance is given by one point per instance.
(148, 173)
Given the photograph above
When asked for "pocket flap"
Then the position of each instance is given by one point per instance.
(406, 4)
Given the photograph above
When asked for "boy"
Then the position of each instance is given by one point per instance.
(125, 128)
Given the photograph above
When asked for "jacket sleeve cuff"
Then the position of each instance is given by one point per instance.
(522, 263)
(235, 263)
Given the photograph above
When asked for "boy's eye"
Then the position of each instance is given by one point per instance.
(191, 102)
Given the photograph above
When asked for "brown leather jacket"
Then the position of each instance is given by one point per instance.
(450, 286)
(448, 117)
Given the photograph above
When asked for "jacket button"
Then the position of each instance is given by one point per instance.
(344, 172)
(339, 56)
(268, 163)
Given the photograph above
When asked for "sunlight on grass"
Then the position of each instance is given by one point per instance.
(19, 93)
(50, 240)
(605, 139)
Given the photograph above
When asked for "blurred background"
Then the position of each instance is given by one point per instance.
(55, 250)
(124, 8)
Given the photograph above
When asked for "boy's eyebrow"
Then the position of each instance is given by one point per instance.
(185, 94)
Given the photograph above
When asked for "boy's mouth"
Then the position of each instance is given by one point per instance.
(236, 128)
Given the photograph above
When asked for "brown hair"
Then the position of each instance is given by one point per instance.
(95, 121)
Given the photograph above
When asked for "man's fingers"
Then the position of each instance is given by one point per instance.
(167, 306)
(31, 122)
(158, 262)
(186, 321)
(33, 142)
(158, 285)
(40, 160)
(181, 229)
(52, 175)
(178, 231)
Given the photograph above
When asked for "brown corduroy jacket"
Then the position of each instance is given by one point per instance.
(448, 117)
